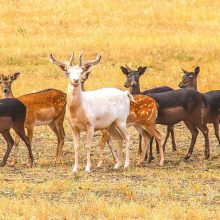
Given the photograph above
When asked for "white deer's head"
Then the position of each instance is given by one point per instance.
(76, 73)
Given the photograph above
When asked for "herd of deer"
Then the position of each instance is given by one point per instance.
(109, 110)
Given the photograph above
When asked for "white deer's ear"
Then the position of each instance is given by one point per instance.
(197, 70)
(14, 76)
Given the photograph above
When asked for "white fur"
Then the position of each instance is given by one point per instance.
(74, 72)
(98, 110)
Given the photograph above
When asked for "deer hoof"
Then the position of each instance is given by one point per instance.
(99, 164)
(207, 155)
(87, 170)
(58, 162)
(13, 163)
(117, 166)
(29, 165)
(187, 157)
(161, 162)
(126, 165)
(2, 164)
(88, 167)
(75, 169)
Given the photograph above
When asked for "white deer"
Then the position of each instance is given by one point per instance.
(106, 108)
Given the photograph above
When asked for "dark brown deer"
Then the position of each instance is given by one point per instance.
(12, 115)
(189, 80)
(187, 105)
(44, 107)
(132, 82)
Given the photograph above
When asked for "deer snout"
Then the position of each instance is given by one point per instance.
(5, 89)
(75, 81)
(181, 85)
(133, 83)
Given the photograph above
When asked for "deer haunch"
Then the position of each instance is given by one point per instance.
(12, 115)
(187, 105)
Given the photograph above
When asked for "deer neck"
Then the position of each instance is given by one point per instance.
(135, 89)
(8, 94)
(74, 97)
(195, 85)
(192, 85)
(83, 86)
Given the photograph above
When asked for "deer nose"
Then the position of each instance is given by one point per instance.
(6, 90)
(75, 81)
(181, 85)
(133, 83)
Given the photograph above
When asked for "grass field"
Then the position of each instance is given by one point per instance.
(163, 35)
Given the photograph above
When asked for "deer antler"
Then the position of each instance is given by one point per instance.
(62, 65)
(54, 61)
(80, 58)
(71, 59)
(92, 62)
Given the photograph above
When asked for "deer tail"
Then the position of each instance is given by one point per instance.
(130, 96)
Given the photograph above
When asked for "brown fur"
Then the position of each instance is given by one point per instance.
(143, 115)
(44, 107)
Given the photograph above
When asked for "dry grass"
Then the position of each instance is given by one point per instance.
(163, 35)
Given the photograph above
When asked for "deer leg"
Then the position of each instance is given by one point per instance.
(15, 155)
(61, 134)
(54, 129)
(76, 139)
(149, 156)
(19, 129)
(173, 138)
(114, 153)
(140, 148)
(104, 139)
(10, 142)
(205, 131)
(194, 132)
(57, 128)
(147, 138)
(216, 128)
(145, 151)
(166, 138)
(119, 158)
(123, 131)
(89, 140)
(157, 135)
(30, 132)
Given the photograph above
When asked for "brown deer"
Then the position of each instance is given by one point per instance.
(12, 115)
(46, 107)
(142, 116)
(189, 80)
(187, 105)
(132, 82)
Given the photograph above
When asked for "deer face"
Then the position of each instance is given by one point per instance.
(189, 80)
(132, 76)
(6, 81)
(77, 74)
